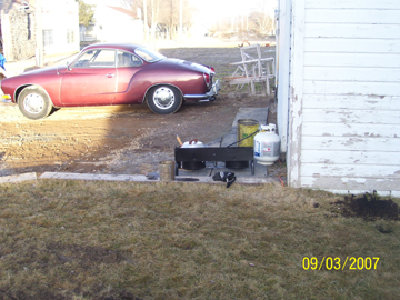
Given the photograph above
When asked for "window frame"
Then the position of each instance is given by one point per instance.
(130, 53)
(114, 66)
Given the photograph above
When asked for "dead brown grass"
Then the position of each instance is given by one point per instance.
(101, 240)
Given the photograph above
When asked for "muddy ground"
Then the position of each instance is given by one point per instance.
(120, 139)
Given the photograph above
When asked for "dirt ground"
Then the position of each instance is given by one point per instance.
(120, 139)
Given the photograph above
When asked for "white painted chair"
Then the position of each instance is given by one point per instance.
(253, 68)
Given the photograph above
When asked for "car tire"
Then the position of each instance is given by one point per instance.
(164, 99)
(34, 103)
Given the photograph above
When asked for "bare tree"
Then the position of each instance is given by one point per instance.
(256, 22)
(261, 23)
(155, 9)
(176, 14)
(169, 14)
(145, 22)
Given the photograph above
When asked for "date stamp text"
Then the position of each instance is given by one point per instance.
(340, 264)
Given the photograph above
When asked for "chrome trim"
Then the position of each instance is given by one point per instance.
(33, 103)
(163, 97)
(6, 98)
(216, 86)
(207, 96)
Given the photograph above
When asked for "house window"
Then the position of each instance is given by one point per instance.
(47, 37)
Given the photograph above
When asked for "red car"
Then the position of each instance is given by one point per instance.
(109, 74)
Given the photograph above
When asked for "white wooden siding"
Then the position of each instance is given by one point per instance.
(358, 74)
(352, 31)
(348, 59)
(366, 45)
(345, 95)
(347, 16)
(351, 4)
(283, 60)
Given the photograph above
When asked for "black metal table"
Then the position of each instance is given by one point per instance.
(213, 154)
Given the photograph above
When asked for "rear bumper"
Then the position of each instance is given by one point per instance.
(209, 96)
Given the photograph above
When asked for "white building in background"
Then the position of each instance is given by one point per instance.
(339, 94)
(118, 24)
(59, 23)
(42, 28)
(115, 22)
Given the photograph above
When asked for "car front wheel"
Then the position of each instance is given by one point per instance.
(164, 99)
(34, 103)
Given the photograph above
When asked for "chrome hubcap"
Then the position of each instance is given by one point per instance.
(33, 103)
(163, 98)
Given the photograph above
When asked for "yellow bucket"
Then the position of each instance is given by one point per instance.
(247, 127)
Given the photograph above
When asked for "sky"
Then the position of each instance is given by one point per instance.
(209, 12)
(228, 8)
(218, 8)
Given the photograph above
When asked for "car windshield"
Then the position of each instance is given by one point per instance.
(148, 55)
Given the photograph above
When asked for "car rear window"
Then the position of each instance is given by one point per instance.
(148, 55)
(128, 60)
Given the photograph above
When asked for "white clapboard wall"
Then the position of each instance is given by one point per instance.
(344, 118)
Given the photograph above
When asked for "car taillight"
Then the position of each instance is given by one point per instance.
(207, 79)
(212, 69)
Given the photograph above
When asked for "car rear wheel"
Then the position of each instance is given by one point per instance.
(34, 103)
(164, 99)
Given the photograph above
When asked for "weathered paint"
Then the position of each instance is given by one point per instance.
(344, 106)
(296, 95)
(283, 66)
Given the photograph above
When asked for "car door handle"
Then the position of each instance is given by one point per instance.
(110, 75)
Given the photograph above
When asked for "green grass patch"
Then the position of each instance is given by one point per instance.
(107, 240)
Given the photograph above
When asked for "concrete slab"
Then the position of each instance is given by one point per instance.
(90, 176)
(142, 178)
(19, 177)
(260, 171)
(259, 114)
(206, 179)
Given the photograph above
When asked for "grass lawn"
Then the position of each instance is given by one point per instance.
(108, 240)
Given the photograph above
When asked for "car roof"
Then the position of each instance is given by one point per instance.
(121, 46)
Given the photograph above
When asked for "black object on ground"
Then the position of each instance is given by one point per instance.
(186, 157)
(237, 164)
(368, 206)
(228, 177)
(193, 165)
(187, 179)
